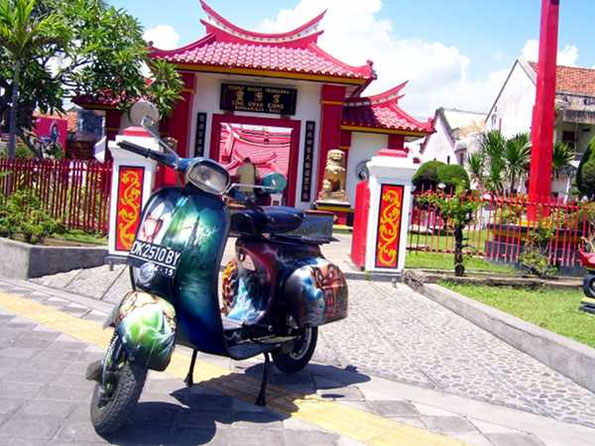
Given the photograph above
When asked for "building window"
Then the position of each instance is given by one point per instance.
(569, 137)
(448, 159)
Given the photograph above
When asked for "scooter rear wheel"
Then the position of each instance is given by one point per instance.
(301, 353)
(118, 391)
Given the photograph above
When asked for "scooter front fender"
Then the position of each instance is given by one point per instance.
(146, 325)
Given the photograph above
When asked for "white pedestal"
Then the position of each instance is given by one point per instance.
(390, 204)
(132, 183)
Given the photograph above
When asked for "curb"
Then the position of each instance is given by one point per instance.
(566, 356)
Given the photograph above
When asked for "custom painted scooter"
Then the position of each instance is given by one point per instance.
(275, 293)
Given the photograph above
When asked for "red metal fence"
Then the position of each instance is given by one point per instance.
(74, 191)
(500, 229)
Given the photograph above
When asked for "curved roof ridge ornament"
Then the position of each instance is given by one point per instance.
(215, 20)
(390, 96)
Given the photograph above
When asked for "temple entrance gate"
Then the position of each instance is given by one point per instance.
(280, 154)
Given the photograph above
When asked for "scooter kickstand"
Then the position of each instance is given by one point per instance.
(261, 400)
(189, 381)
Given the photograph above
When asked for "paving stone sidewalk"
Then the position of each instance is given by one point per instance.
(396, 333)
(45, 399)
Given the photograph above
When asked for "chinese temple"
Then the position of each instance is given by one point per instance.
(280, 100)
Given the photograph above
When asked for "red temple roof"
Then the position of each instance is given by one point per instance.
(381, 113)
(293, 54)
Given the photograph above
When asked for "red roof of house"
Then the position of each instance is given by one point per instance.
(573, 79)
(382, 112)
(227, 46)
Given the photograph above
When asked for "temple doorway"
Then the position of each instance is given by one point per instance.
(250, 149)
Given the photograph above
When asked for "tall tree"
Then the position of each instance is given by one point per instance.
(24, 36)
(103, 54)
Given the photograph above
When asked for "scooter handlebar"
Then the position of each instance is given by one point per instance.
(162, 158)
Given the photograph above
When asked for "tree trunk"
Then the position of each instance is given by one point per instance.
(12, 131)
(459, 265)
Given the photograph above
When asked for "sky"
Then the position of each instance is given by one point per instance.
(453, 53)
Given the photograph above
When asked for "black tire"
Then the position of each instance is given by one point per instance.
(110, 413)
(298, 358)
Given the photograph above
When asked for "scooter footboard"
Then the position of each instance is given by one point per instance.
(146, 325)
(316, 293)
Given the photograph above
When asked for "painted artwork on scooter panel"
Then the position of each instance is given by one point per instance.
(194, 225)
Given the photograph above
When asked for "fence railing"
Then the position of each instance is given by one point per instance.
(76, 192)
(501, 230)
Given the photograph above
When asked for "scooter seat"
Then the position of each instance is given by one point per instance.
(271, 220)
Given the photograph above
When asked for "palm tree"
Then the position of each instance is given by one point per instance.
(492, 149)
(517, 156)
(562, 156)
(475, 168)
(23, 35)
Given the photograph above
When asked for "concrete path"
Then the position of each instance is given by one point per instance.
(425, 355)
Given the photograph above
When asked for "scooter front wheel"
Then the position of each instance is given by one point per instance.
(118, 390)
(298, 357)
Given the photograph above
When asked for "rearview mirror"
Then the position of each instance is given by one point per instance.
(144, 113)
(274, 183)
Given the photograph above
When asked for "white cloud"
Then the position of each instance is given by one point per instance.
(566, 56)
(354, 32)
(163, 37)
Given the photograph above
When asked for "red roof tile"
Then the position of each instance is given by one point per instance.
(573, 79)
(383, 112)
(295, 52)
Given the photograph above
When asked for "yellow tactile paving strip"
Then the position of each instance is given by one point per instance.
(334, 417)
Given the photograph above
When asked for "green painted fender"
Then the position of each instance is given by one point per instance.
(147, 327)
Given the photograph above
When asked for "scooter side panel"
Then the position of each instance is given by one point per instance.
(194, 225)
(316, 292)
(147, 327)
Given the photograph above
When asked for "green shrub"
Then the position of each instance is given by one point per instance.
(452, 175)
(427, 174)
(585, 175)
(24, 216)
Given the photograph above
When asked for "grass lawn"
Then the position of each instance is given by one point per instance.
(81, 237)
(554, 310)
(435, 260)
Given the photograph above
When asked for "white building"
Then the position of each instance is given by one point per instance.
(512, 110)
(456, 135)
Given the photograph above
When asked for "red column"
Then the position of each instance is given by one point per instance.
(331, 113)
(542, 129)
(396, 142)
(112, 123)
(177, 126)
(180, 119)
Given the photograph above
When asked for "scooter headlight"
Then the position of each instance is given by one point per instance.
(208, 176)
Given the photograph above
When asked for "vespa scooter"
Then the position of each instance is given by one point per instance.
(276, 292)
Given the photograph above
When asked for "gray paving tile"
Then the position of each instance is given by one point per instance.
(59, 409)
(10, 405)
(513, 440)
(265, 418)
(18, 352)
(393, 408)
(65, 393)
(309, 438)
(450, 424)
(31, 427)
(79, 432)
(19, 390)
(252, 436)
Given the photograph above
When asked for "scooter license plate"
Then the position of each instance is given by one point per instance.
(162, 256)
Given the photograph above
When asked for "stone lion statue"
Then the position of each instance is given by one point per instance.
(335, 174)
